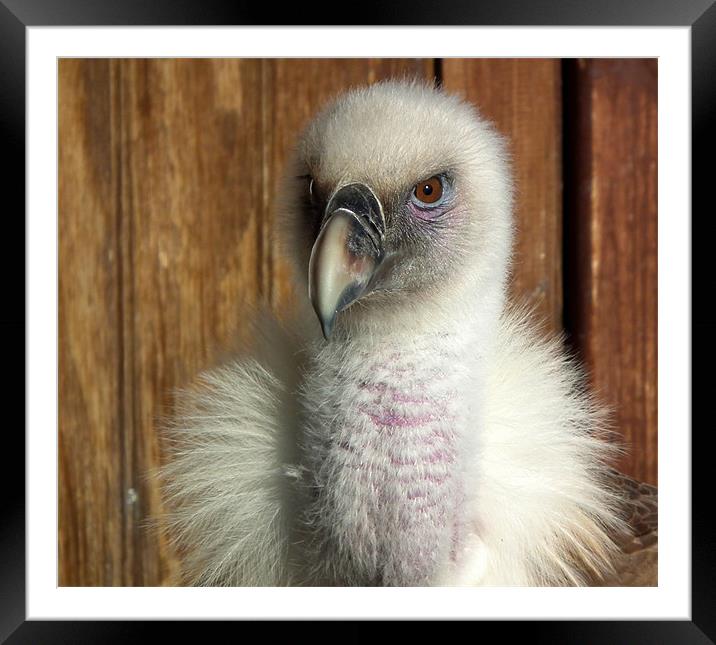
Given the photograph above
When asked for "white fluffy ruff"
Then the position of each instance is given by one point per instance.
(544, 511)
(535, 509)
(222, 483)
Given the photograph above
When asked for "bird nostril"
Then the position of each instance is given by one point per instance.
(359, 199)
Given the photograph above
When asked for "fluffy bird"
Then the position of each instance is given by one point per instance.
(412, 428)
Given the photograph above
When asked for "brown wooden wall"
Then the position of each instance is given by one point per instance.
(167, 172)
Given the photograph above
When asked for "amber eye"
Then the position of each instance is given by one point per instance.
(429, 191)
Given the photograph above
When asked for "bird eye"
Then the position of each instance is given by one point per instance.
(429, 191)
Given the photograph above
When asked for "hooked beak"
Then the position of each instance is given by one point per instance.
(347, 252)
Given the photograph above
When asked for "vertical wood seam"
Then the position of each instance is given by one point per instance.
(575, 274)
(265, 256)
(437, 69)
(134, 424)
(116, 133)
(599, 251)
(128, 417)
(558, 249)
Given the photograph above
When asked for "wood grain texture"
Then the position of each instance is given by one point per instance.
(91, 496)
(611, 223)
(522, 98)
(168, 171)
(191, 225)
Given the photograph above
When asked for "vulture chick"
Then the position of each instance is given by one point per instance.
(414, 430)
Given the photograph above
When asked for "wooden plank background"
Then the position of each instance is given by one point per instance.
(167, 174)
(523, 98)
(611, 243)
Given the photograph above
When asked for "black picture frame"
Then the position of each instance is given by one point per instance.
(17, 15)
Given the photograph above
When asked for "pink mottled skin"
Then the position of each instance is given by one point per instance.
(388, 482)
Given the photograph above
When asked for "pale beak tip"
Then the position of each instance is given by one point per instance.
(327, 326)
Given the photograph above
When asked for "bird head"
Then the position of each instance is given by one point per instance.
(398, 200)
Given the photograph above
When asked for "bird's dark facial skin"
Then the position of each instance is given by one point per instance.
(312, 201)
(418, 246)
(425, 236)
(408, 218)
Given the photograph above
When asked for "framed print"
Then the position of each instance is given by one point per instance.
(141, 286)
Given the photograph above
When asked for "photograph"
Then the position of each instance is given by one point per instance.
(367, 323)
(357, 322)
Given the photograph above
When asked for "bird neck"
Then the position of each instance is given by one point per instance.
(385, 438)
